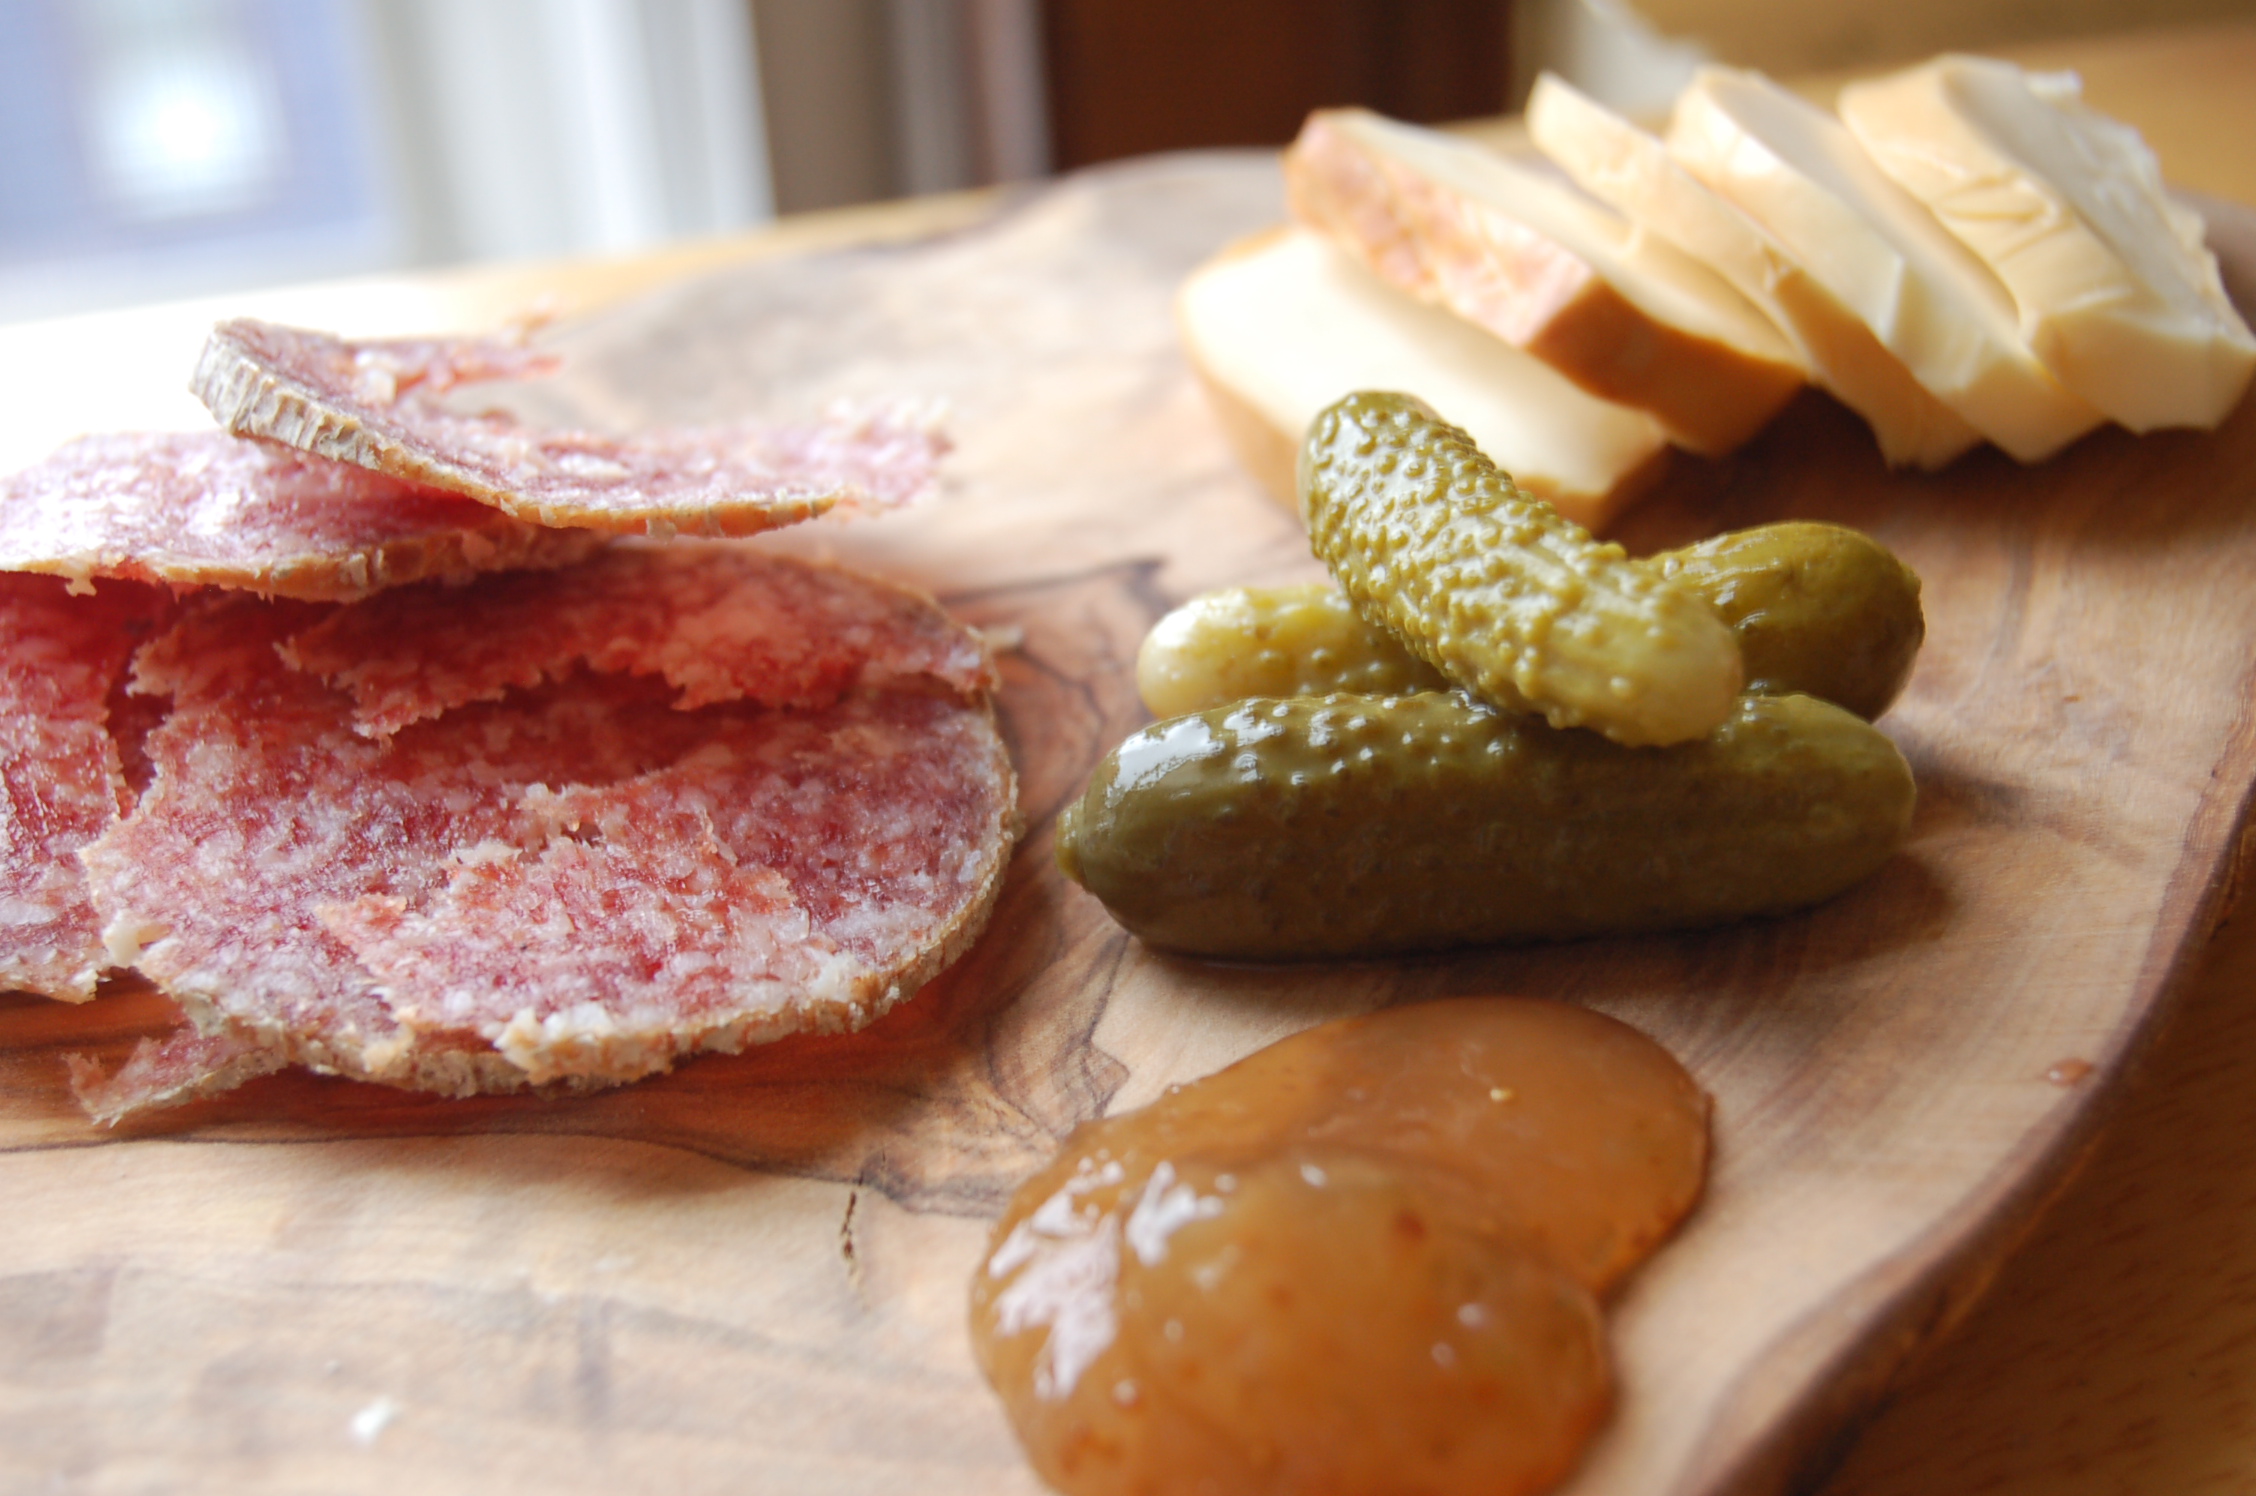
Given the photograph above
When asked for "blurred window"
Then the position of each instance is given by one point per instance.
(161, 148)
(169, 146)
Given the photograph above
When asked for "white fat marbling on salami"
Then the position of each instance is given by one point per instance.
(802, 873)
(61, 780)
(208, 509)
(385, 405)
(719, 622)
(578, 881)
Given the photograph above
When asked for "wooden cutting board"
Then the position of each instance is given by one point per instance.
(749, 1275)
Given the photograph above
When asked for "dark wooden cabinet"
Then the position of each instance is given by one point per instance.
(1130, 76)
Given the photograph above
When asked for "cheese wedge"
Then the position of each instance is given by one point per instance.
(1518, 250)
(1632, 172)
(1798, 172)
(2114, 286)
(1285, 324)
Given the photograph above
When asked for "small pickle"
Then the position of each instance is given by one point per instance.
(1349, 826)
(1820, 610)
(1304, 640)
(1498, 591)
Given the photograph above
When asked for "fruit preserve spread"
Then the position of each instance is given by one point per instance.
(1370, 1257)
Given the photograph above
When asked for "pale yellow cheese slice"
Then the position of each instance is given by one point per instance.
(1520, 251)
(1631, 171)
(2114, 286)
(1284, 325)
(1797, 171)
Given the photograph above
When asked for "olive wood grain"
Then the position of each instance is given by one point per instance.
(749, 1275)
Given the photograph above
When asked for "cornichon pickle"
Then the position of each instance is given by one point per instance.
(1303, 640)
(1819, 610)
(1498, 591)
(1344, 826)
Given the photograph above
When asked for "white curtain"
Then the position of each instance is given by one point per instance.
(538, 128)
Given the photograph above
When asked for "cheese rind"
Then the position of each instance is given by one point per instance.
(1520, 251)
(1631, 171)
(2113, 284)
(1798, 172)
(1284, 325)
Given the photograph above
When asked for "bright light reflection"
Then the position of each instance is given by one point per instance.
(185, 133)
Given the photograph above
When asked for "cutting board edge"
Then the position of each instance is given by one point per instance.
(1921, 1297)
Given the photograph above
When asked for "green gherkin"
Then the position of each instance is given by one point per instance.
(1819, 610)
(1498, 591)
(1349, 826)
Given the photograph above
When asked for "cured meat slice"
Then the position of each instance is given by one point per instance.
(719, 622)
(211, 509)
(61, 782)
(577, 882)
(804, 873)
(179, 1067)
(384, 405)
(266, 804)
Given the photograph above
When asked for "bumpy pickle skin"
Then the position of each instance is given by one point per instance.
(1500, 593)
(1819, 610)
(1304, 640)
(1355, 826)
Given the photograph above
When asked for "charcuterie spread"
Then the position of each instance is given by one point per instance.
(393, 737)
(559, 815)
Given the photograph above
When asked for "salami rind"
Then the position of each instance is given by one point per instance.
(382, 405)
(576, 883)
(208, 509)
(62, 783)
(719, 622)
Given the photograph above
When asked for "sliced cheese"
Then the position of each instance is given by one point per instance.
(1631, 171)
(1283, 326)
(1521, 252)
(2115, 288)
(1798, 172)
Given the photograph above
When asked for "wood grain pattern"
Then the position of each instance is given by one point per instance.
(2113, 1351)
(749, 1275)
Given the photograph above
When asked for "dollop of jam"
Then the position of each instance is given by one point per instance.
(1368, 1258)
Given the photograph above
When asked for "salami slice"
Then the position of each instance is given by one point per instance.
(806, 872)
(718, 621)
(61, 779)
(179, 1067)
(211, 509)
(383, 405)
(575, 882)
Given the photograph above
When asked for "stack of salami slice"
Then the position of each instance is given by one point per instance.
(351, 729)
